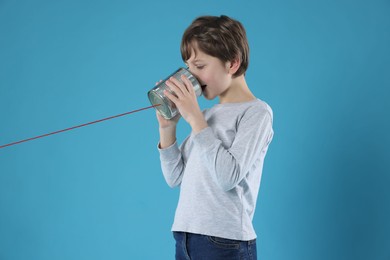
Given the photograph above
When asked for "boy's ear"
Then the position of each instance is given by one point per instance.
(234, 66)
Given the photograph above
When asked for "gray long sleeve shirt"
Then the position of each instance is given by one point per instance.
(219, 170)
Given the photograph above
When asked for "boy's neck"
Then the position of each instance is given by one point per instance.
(237, 92)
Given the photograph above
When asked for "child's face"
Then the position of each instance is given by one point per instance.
(212, 73)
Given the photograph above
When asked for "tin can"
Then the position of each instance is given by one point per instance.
(163, 105)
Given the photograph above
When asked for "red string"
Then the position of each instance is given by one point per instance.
(74, 127)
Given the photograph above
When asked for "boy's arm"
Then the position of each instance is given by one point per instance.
(170, 155)
(172, 164)
(229, 166)
(167, 136)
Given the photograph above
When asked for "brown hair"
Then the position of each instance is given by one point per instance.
(221, 37)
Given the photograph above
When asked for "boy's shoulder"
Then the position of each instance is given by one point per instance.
(258, 104)
(255, 108)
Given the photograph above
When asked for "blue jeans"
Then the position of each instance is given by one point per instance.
(200, 247)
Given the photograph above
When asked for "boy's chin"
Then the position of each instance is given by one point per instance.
(208, 97)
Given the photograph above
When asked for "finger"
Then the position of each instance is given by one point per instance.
(160, 118)
(158, 115)
(158, 82)
(177, 117)
(174, 89)
(188, 84)
(170, 96)
(180, 85)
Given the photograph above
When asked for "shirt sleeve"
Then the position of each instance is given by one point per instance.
(172, 164)
(229, 166)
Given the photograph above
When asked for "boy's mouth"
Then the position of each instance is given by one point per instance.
(203, 87)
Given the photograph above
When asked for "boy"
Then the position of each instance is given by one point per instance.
(219, 165)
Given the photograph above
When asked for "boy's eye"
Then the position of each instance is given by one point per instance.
(199, 67)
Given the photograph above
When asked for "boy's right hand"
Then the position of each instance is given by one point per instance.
(165, 123)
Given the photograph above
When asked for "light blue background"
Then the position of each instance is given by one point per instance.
(98, 193)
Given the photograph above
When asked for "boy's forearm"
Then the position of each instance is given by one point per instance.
(198, 124)
(167, 136)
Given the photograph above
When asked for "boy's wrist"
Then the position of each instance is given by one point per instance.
(168, 128)
(167, 136)
(198, 125)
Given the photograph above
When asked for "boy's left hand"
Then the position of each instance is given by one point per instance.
(184, 98)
